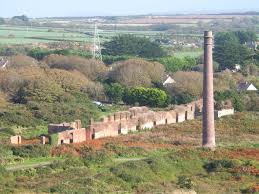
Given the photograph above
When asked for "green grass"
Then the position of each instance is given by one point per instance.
(183, 54)
(117, 168)
(31, 163)
(22, 35)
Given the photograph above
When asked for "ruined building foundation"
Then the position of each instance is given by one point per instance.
(208, 139)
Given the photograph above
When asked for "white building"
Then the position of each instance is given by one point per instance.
(246, 87)
(169, 80)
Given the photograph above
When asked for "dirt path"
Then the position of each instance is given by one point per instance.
(27, 166)
(128, 159)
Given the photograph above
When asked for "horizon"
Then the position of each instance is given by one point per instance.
(80, 8)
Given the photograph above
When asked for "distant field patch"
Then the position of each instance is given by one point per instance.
(183, 54)
(24, 35)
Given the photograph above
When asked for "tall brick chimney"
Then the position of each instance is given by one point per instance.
(208, 137)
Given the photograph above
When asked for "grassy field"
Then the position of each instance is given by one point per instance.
(24, 35)
(183, 54)
(164, 160)
(27, 35)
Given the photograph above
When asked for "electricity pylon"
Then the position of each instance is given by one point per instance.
(97, 50)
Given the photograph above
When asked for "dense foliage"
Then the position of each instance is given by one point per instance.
(132, 45)
(174, 64)
(146, 97)
(115, 92)
(40, 53)
(136, 72)
(188, 87)
(230, 49)
(236, 98)
(91, 68)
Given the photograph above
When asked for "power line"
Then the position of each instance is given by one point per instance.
(97, 50)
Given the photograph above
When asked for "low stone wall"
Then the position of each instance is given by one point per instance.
(224, 112)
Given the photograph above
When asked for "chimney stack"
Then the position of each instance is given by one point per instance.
(208, 139)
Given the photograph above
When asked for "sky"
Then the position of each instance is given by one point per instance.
(62, 8)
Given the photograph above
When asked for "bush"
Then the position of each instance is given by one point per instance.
(21, 61)
(41, 53)
(235, 97)
(31, 151)
(184, 182)
(107, 59)
(218, 165)
(188, 87)
(146, 97)
(174, 64)
(91, 156)
(40, 89)
(91, 68)
(136, 72)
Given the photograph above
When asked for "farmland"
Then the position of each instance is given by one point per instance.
(24, 35)
(28, 35)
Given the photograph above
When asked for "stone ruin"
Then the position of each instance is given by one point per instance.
(17, 140)
(122, 123)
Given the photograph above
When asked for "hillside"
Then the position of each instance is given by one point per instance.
(165, 159)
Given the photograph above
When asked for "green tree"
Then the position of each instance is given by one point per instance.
(2, 21)
(229, 51)
(245, 36)
(133, 46)
(115, 92)
(23, 18)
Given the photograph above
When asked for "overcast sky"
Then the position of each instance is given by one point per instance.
(50, 8)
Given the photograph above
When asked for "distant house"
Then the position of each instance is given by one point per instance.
(169, 80)
(252, 45)
(236, 68)
(3, 64)
(246, 87)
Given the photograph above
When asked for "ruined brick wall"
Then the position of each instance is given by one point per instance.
(72, 136)
(56, 128)
(137, 118)
(16, 140)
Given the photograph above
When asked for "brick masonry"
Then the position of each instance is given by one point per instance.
(122, 123)
(136, 118)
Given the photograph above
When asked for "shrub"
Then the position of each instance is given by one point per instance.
(40, 89)
(188, 87)
(146, 96)
(136, 72)
(91, 156)
(184, 182)
(107, 59)
(174, 64)
(31, 151)
(92, 69)
(21, 61)
(218, 165)
(54, 139)
(235, 97)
